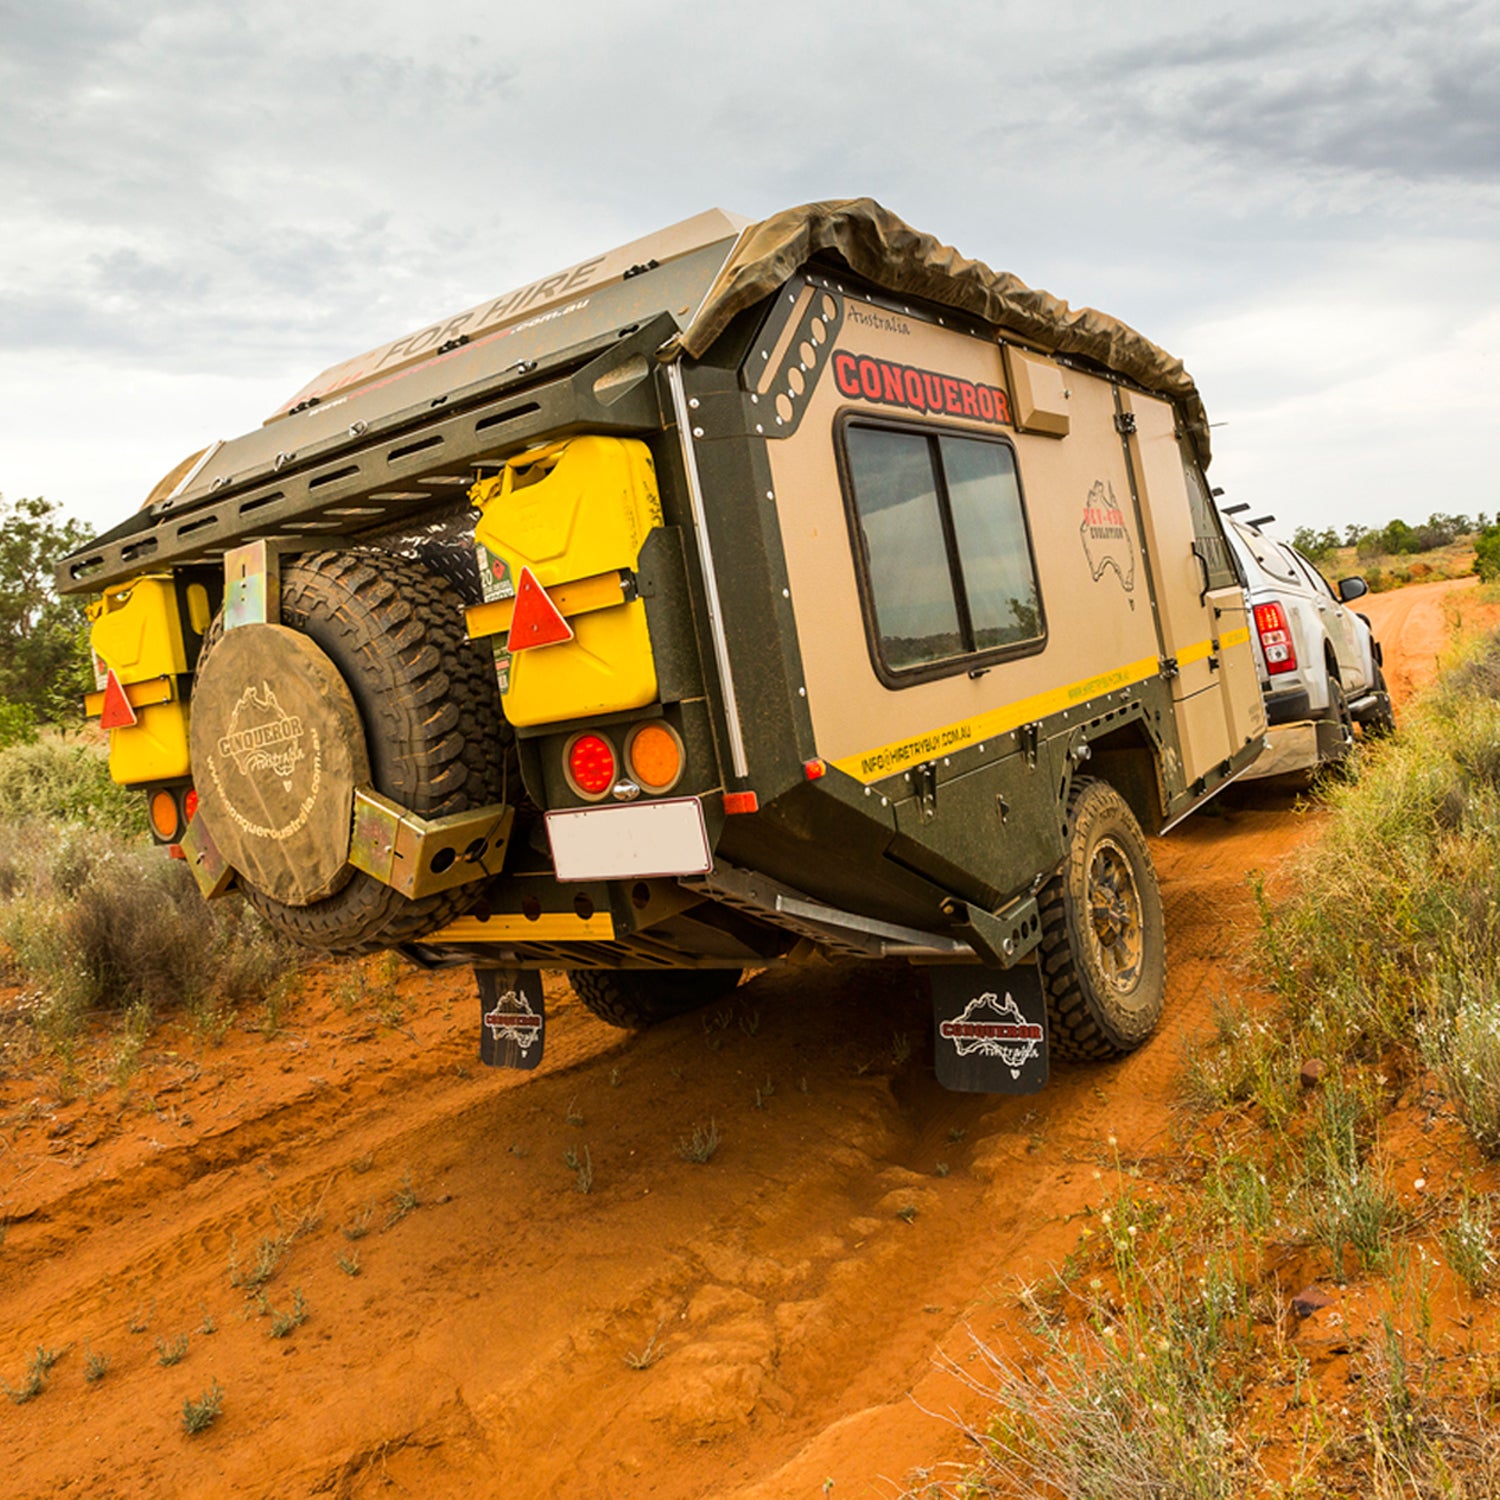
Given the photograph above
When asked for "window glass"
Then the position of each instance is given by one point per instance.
(1208, 537)
(895, 493)
(947, 558)
(1268, 555)
(1314, 576)
(991, 535)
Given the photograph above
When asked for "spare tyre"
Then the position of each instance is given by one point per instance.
(372, 659)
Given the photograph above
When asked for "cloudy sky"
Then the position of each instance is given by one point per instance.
(205, 204)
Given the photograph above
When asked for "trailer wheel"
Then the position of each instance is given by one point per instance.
(1103, 945)
(634, 999)
(430, 708)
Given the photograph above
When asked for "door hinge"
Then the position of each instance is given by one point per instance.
(1030, 736)
(1168, 667)
(1125, 423)
(924, 782)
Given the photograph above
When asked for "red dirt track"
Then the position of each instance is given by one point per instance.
(786, 1313)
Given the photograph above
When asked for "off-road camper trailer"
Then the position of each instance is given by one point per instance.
(753, 592)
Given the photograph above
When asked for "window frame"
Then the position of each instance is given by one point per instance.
(972, 662)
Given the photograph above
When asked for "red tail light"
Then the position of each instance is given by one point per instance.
(591, 764)
(1275, 638)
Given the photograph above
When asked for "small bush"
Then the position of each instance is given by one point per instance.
(1461, 1042)
(288, 1319)
(1470, 1243)
(17, 724)
(172, 1351)
(66, 780)
(1487, 554)
(204, 1412)
(701, 1145)
(98, 923)
(1137, 1400)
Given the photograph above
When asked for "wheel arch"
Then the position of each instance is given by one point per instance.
(1127, 759)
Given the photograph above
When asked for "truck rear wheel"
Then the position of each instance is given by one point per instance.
(1103, 945)
(1380, 721)
(634, 999)
(430, 708)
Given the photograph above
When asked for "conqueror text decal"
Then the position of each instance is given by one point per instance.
(263, 734)
(861, 377)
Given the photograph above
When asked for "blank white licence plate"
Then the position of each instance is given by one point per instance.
(630, 843)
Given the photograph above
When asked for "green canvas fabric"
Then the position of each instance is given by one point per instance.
(882, 249)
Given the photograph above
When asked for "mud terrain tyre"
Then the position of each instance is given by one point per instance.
(1103, 945)
(1380, 722)
(430, 707)
(634, 999)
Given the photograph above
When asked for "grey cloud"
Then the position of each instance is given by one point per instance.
(1399, 93)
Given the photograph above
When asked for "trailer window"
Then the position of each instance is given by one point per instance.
(1208, 537)
(944, 547)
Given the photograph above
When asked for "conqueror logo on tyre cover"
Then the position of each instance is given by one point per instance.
(990, 1031)
(262, 734)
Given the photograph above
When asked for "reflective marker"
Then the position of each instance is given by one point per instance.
(536, 621)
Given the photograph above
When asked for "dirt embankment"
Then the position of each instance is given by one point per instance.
(753, 1326)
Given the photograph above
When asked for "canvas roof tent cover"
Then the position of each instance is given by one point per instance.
(889, 253)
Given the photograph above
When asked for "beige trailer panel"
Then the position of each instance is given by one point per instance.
(1086, 546)
(1202, 607)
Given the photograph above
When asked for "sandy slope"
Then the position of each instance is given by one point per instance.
(788, 1313)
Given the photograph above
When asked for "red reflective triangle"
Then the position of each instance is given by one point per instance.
(117, 712)
(536, 620)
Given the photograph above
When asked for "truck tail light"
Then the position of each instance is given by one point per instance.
(590, 762)
(1275, 638)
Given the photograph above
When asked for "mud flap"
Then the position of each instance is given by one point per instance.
(989, 1029)
(512, 1017)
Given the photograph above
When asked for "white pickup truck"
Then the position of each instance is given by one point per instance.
(1319, 661)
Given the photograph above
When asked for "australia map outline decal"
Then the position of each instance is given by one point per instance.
(1106, 538)
(994, 1028)
(514, 1020)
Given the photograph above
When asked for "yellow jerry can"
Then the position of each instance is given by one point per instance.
(137, 635)
(573, 514)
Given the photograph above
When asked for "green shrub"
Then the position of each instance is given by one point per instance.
(17, 724)
(66, 779)
(1487, 553)
(97, 922)
(1392, 934)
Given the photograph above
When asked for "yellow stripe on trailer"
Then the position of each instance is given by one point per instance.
(873, 765)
